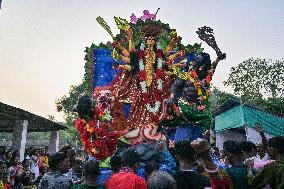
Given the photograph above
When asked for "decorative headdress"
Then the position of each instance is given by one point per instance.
(151, 29)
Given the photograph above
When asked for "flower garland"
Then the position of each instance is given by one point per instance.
(159, 75)
(97, 139)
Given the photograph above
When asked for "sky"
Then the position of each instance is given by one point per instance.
(42, 42)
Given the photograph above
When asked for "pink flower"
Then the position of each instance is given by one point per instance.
(147, 15)
(133, 18)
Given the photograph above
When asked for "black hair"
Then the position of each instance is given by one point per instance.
(247, 146)
(56, 159)
(91, 168)
(277, 143)
(129, 158)
(16, 153)
(115, 163)
(232, 146)
(184, 150)
(8, 151)
(26, 179)
(2, 163)
(25, 161)
(162, 180)
(150, 167)
(78, 161)
(65, 149)
(85, 107)
(4, 149)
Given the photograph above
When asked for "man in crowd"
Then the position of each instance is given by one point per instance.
(161, 180)
(59, 165)
(273, 173)
(91, 173)
(127, 177)
(238, 170)
(249, 150)
(186, 177)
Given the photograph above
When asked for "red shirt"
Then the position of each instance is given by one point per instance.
(125, 179)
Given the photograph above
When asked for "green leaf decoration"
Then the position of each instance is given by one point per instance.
(103, 23)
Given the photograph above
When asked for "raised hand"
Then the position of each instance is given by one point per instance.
(116, 45)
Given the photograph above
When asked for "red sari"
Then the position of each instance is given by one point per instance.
(128, 89)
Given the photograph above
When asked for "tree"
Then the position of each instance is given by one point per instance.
(258, 78)
(218, 98)
(66, 104)
(259, 82)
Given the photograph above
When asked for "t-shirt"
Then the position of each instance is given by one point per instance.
(126, 179)
(191, 180)
(53, 180)
(238, 175)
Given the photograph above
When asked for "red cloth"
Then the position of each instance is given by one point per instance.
(125, 179)
(219, 183)
(7, 186)
(127, 89)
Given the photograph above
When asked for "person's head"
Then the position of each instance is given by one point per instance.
(2, 150)
(46, 150)
(276, 147)
(16, 153)
(260, 150)
(91, 169)
(77, 166)
(150, 40)
(70, 152)
(26, 164)
(3, 169)
(34, 152)
(28, 151)
(27, 178)
(149, 168)
(249, 149)
(232, 151)
(161, 180)
(216, 151)
(131, 159)
(16, 160)
(8, 155)
(184, 152)
(115, 163)
(59, 162)
(41, 152)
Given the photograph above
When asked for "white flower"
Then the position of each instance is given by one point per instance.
(141, 65)
(142, 47)
(143, 86)
(155, 108)
(158, 45)
(160, 84)
(160, 63)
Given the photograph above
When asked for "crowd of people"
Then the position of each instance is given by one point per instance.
(240, 165)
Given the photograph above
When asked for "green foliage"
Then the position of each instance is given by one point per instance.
(257, 78)
(259, 82)
(274, 106)
(66, 104)
(218, 98)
